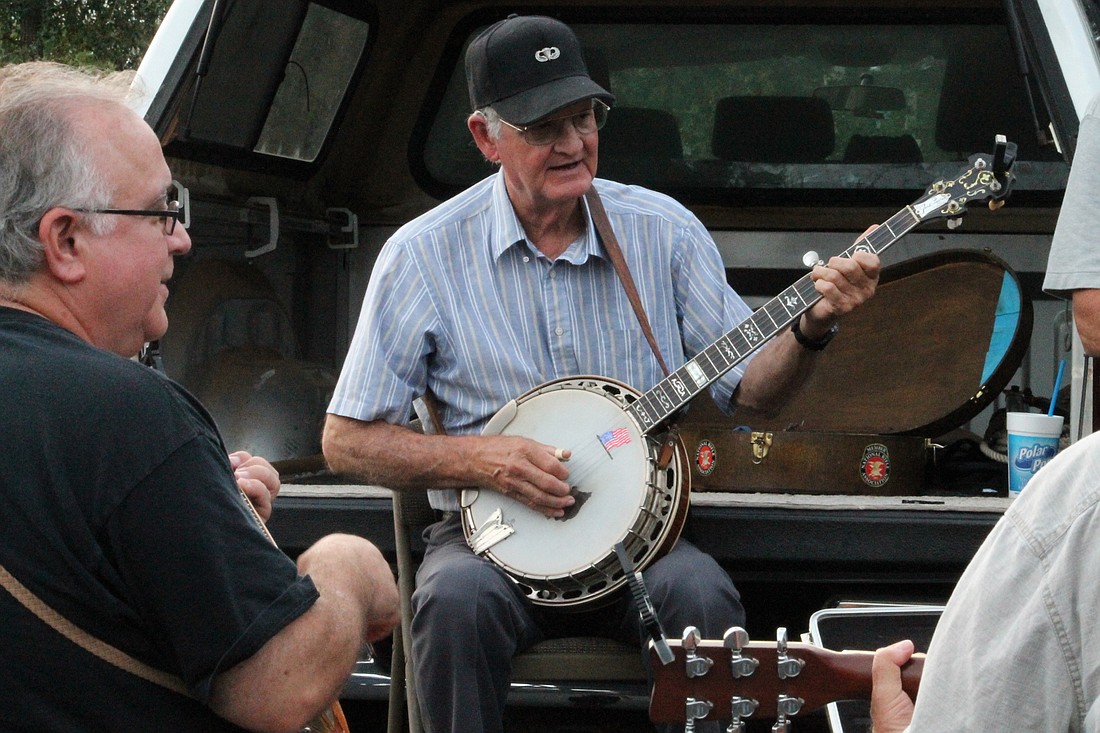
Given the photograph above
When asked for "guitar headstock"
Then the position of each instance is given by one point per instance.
(733, 678)
(986, 178)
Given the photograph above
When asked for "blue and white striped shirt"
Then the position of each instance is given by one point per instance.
(461, 304)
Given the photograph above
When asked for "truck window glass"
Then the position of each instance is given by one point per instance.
(282, 102)
(789, 111)
(315, 83)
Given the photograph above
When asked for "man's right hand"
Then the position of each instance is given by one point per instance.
(528, 471)
(533, 473)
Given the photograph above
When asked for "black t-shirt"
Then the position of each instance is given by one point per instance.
(119, 509)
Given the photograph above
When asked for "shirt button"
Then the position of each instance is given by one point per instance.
(526, 258)
(559, 330)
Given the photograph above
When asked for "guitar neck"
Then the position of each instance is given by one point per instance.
(826, 676)
(654, 407)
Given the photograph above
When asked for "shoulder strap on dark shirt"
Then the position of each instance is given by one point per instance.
(91, 644)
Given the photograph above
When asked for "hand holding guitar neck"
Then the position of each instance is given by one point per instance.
(733, 679)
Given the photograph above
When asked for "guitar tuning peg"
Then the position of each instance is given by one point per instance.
(736, 639)
(787, 667)
(955, 223)
(811, 258)
(694, 665)
(786, 706)
(740, 707)
(690, 638)
(694, 710)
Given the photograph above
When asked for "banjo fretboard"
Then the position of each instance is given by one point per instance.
(679, 387)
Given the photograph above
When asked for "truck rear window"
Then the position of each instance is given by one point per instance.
(314, 84)
(781, 110)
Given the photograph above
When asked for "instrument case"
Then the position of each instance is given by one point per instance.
(940, 340)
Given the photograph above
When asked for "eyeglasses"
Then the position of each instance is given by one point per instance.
(168, 215)
(549, 131)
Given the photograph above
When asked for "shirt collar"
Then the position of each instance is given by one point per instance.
(507, 231)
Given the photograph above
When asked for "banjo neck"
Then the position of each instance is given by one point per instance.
(988, 178)
(654, 407)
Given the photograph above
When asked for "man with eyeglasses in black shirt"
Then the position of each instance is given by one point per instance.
(139, 588)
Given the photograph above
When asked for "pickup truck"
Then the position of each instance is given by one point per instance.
(302, 134)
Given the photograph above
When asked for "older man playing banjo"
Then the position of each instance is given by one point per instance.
(508, 287)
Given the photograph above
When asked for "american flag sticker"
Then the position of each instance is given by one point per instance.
(615, 438)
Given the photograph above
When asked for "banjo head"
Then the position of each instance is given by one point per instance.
(620, 495)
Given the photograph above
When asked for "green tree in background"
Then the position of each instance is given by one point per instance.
(110, 34)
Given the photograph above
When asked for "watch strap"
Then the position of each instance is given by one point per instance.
(808, 343)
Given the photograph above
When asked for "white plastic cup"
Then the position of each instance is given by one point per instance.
(1032, 441)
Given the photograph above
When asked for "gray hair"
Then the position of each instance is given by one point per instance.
(44, 158)
(493, 125)
(492, 121)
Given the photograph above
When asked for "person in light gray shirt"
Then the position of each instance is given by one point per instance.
(1073, 266)
(1017, 648)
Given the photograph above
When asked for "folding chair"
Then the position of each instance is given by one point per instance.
(555, 661)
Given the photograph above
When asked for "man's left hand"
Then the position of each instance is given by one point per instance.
(258, 479)
(891, 708)
(844, 284)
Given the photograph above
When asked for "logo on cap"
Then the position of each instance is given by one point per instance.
(547, 54)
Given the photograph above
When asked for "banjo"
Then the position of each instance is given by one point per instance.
(623, 491)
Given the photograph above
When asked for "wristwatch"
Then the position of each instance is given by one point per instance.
(806, 343)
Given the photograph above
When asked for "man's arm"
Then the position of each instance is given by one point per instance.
(399, 458)
(776, 373)
(299, 672)
(1086, 316)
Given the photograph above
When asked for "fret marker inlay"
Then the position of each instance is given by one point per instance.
(696, 373)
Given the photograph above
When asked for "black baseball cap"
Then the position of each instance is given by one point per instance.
(528, 67)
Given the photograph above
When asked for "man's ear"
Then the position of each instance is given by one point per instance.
(62, 243)
(479, 128)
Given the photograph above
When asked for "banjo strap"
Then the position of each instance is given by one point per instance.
(607, 236)
(671, 439)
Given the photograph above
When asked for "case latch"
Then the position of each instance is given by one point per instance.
(761, 442)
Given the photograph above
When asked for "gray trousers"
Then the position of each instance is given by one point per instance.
(469, 620)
